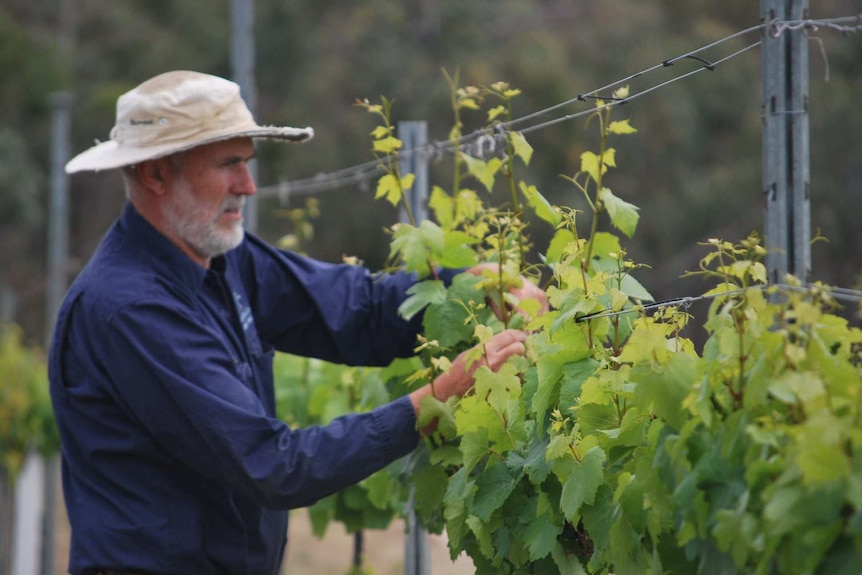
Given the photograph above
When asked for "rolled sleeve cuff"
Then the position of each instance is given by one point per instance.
(395, 424)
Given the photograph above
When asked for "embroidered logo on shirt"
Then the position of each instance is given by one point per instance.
(245, 318)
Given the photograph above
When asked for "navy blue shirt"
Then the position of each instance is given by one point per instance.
(173, 459)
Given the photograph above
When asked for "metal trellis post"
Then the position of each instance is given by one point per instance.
(242, 57)
(798, 148)
(786, 172)
(58, 271)
(414, 136)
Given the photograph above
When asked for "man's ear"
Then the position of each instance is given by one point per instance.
(155, 175)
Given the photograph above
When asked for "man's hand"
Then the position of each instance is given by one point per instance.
(459, 378)
(526, 290)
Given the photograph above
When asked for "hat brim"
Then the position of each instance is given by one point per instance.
(109, 155)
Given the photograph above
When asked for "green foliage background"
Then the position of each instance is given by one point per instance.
(26, 417)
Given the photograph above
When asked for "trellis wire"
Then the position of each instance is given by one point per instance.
(360, 174)
(838, 293)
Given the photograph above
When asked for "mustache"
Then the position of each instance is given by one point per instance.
(233, 203)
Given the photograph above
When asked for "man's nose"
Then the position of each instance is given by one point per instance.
(246, 184)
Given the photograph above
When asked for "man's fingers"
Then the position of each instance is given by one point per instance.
(508, 336)
(514, 348)
(504, 345)
(533, 292)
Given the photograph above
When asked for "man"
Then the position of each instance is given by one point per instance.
(174, 462)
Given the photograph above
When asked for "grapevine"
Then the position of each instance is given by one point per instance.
(615, 445)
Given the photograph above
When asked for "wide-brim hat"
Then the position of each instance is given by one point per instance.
(174, 112)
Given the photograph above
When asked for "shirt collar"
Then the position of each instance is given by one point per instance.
(166, 257)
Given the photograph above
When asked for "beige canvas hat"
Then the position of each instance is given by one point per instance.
(174, 112)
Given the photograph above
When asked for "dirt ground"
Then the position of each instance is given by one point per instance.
(384, 551)
(332, 555)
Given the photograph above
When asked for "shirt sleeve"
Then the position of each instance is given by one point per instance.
(169, 372)
(336, 312)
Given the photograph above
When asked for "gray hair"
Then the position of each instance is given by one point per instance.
(132, 182)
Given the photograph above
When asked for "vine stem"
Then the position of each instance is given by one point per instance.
(496, 453)
(516, 201)
(504, 309)
(456, 130)
(597, 208)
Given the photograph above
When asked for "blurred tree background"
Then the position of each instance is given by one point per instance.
(694, 167)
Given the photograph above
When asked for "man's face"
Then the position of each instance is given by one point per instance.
(204, 209)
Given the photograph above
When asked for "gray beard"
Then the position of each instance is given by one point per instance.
(198, 228)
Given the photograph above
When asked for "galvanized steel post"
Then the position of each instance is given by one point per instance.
(58, 279)
(242, 59)
(414, 160)
(786, 157)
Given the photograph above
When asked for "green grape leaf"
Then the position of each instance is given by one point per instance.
(422, 294)
(493, 487)
(444, 323)
(483, 535)
(485, 172)
(415, 245)
(457, 252)
(467, 205)
(820, 449)
(598, 519)
(665, 390)
(647, 343)
(633, 288)
(379, 487)
(567, 562)
(630, 497)
(431, 408)
(624, 216)
(443, 206)
(581, 487)
(542, 536)
(590, 165)
(558, 245)
(574, 375)
(628, 555)
(469, 103)
(387, 187)
(499, 387)
(447, 455)
(621, 127)
(559, 447)
(448, 322)
(381, 132)
(496, 112)
(736, 533)
(523, 149)
(534, 462)
(431, 482)
(551, 367)
(540, 205)
(574, 306)
(387, 145)
(632, 430)
(474, 447)
(605, 244)
(594, 417)
(459, 495)
(320, 514)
